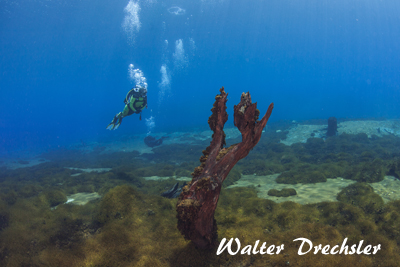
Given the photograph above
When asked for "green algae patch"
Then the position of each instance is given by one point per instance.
(362, 195)
(233, 176)
(394, 168)
(10, 198)
(132, 226)
(129, 228)
(285, 192)
(118, 203)
(367, 172)
(323, 223)
(137, 230)
(355, 157)
(54, 197)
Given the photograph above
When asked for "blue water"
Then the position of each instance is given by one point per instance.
(64, 64)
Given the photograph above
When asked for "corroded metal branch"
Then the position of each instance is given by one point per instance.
(198, 200)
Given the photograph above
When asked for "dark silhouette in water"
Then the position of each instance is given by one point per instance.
(151, 141)
(332, 127)
(174, 192)
(198, 200)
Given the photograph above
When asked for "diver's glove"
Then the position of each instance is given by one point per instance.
(116, 122)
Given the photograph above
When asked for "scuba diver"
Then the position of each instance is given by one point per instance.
(135, 101)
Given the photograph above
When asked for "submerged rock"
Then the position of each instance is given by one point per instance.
(285, 192)
(363, 196)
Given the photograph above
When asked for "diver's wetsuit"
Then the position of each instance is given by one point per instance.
(135, 102)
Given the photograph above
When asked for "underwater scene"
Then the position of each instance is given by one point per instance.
(199, 133)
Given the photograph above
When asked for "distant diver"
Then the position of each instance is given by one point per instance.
(151, 141)
(135, 101)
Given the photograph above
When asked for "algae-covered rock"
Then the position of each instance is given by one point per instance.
(286, 159)
(70, 232)
(361, 195)
(10, 198)
(285, 192)
(360, 138)
(390, 220)
(339, 213)
(55, 197)
(394, 168)
(367, 155)
(314, 145)
(370, 172)
(117, 203)
(314, 177)
(29, 190)
(334, 169)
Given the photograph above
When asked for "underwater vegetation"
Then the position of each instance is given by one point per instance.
(285, 192)
(394, 168)
(130, 228)
(133, 225)
(354, 157)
